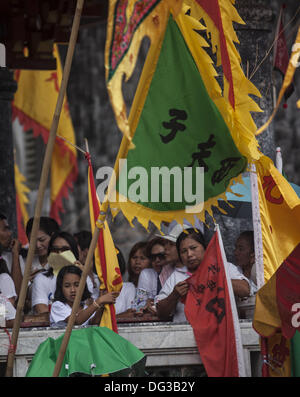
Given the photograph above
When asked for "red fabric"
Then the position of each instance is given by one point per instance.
(212, 8)
(264, 352)
(281, 58)
(20, 222)
(281, 55)
(100, 243)
(208, 310)
(288, 291)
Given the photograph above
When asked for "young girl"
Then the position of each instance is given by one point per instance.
(67, 283)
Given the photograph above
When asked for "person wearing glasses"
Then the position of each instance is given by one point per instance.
(44, 284)
(149, 284)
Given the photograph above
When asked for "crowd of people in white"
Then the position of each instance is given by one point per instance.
(154, 277)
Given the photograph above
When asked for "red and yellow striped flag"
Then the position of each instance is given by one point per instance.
(106, 259)
(34, 104)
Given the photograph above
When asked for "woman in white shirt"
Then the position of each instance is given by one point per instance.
(44, 284)
(47, 227)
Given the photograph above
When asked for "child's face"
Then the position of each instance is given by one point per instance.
(70, 286)
(139, 262)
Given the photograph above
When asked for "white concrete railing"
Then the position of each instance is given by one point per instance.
(164, 344)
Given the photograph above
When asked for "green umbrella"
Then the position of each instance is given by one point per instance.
(91, 351)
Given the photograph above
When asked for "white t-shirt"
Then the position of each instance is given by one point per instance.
(43, 289)
(60, 312)
(10, 311)
(126, 297)
(180, 274)
(7, 286)
(148, 281)
(7, 256)
(37, 266)
(94, 289)
(7, 290)
(237, 273)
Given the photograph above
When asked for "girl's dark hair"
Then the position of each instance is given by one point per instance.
(141, 245)
(58, 295)
(121, 261)
(3, 266)
(70, 240)
(47, 225)
(195, 234)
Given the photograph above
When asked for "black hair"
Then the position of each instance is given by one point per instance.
(195, 234)
(47, 225)
(2, 216)
(83, 238)
(3, 266)
(70, 240)
(121, 260)
(141, 245)
(249, 236)
(152, 243)
(58, 295)
(72, 243)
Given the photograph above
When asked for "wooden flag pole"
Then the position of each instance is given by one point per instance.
(258, 245)
(42, 186)
(79, 292)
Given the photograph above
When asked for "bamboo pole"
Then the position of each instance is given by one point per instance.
(42, 186)
(71, 321)
(86, 269)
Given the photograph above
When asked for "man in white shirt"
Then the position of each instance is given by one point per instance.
(11, 248)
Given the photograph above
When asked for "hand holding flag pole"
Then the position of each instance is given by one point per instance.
(43, 184)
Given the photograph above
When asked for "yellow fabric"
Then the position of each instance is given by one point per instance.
(238, 120)
(280, 219)
(113, 273)
(35, 101)
(293, 64)
(266, 317)
(21, 192)
(279, 358)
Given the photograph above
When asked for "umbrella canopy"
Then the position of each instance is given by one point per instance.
(242, 207)
(91, 351)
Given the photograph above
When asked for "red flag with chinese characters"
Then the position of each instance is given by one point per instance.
(209, 310)
(106, 259)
